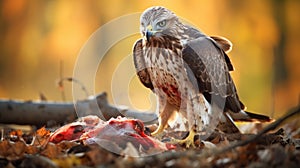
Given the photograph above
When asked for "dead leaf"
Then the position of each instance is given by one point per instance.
(41, 137)
(19, 148)
(52, 151)
(43, 132)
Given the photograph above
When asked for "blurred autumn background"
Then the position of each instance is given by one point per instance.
(42, 39)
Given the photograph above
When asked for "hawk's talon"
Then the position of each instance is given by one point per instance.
(158, 133)
(188, 141)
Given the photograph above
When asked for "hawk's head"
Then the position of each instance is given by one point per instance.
(158, 21)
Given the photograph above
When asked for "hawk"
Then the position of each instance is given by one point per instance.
(190, 74)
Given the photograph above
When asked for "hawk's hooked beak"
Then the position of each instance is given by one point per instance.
(149, 32)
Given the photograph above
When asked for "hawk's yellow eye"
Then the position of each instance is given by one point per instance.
(161, 23)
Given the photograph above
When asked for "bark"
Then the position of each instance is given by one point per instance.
(46, 112)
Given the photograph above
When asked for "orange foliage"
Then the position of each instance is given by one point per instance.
(37, 35)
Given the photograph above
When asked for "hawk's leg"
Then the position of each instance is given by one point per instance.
(197, 116)
(167, 114)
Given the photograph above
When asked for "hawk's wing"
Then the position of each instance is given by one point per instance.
(209, 64)
(139, 63)
(220, 42)
(224, 43)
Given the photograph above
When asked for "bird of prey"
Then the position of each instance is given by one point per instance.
(190, 74)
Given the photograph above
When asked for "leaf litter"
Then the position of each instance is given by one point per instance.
(124, 142)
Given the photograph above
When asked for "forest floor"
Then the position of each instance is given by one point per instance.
(274, 145)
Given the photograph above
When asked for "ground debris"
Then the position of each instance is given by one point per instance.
(38, 148)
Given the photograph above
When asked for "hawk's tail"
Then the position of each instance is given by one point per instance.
(250, 117)
(258, 117)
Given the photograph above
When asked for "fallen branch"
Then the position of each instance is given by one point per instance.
(268, 128)
(41, 113)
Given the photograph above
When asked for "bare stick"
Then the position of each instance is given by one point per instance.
(60, 82)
